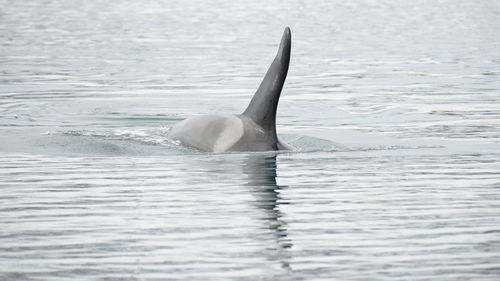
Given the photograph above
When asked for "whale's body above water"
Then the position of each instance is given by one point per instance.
(255, 128)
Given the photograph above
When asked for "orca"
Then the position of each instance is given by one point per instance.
(252, 130)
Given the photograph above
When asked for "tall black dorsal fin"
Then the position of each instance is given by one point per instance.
(263, 106)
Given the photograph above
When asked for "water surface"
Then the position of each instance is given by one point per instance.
(392, 109)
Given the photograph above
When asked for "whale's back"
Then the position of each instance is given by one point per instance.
(215, 133)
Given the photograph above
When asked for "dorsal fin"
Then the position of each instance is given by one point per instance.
(263, 106)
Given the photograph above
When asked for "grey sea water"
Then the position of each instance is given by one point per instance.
(393, 109)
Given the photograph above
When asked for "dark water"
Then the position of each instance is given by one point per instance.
(393, 109)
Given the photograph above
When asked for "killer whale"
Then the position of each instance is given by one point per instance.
(252, 130)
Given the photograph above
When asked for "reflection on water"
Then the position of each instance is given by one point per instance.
(261, 171)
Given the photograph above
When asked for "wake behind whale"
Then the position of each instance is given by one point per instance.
(255, 128)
